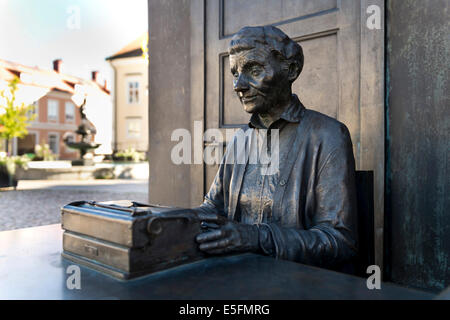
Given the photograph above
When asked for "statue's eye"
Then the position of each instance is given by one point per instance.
(256, 72)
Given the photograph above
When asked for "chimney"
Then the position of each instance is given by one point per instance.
(94, 76)
(57, 65)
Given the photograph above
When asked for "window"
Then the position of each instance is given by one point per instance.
(53, 142)
(133, 128)
(70, 112)
(133, 91)
(52, 110)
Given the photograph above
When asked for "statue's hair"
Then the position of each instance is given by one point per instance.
(270, 38)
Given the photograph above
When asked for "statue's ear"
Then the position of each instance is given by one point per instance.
(294, 71)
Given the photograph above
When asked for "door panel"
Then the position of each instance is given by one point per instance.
(320, 71)
(236, 14)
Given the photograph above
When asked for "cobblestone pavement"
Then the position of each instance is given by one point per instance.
(38, 202)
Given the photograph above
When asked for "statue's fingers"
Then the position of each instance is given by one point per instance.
(208, 217)
(209, 225)
(215, 246)
(210, 236)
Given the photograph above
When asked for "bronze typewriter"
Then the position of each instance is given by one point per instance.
(126, 239)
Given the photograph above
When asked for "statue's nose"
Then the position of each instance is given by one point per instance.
(241, 84)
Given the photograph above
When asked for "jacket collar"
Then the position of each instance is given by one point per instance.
(293, 113)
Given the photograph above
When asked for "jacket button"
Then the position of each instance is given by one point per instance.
(282, 182)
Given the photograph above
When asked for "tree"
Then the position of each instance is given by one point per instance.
(14, 117)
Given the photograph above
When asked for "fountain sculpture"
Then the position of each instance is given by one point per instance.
(86, 130)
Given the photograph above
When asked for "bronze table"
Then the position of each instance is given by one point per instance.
(31, 267)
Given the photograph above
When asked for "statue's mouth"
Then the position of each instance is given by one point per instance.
(248, 99)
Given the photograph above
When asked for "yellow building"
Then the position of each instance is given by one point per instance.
(130, 96)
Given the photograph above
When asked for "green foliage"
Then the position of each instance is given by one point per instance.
(43, 152)
(30, 156)
(14, 117)
(130, 154)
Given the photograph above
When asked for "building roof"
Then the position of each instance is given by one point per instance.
(133, 49)
(49, 79)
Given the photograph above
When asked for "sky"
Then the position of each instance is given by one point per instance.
(80, 32)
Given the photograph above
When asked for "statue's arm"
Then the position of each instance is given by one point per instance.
(330, 237)
(214, 200)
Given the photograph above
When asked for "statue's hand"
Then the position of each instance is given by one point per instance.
(230, 236)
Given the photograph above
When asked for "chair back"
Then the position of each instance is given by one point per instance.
(366, 234)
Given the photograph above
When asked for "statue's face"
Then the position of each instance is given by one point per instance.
(258, 79)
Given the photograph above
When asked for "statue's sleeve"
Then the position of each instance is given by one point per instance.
(214, 200)
(217, 198)
(330, 237)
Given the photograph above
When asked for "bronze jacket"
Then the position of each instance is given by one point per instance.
(313, 218)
